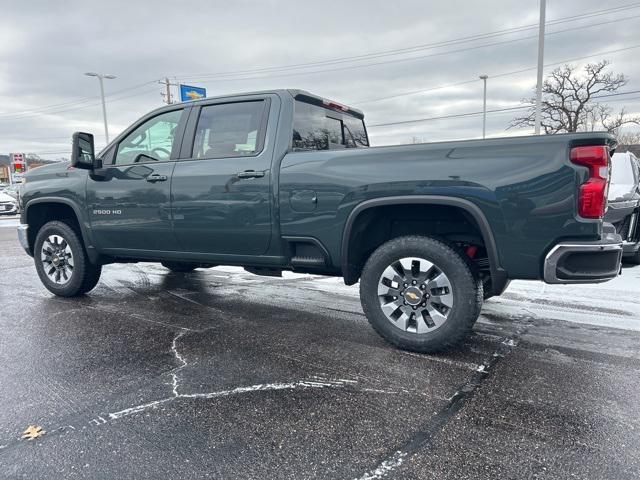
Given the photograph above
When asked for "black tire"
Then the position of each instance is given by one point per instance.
(466, 286)
(84, 275)
(635, 259)
(180, 267)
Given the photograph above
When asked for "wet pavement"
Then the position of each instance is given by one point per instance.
(223, 374)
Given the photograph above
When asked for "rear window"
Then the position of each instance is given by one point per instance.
(318, 128)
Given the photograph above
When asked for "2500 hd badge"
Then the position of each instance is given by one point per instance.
(107, 212)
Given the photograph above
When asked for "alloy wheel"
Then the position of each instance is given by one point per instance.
(57, 259)
(415, 295)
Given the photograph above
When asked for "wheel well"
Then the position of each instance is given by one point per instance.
(41, 213)
(377, 225)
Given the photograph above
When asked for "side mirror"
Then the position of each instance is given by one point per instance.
(82, 151)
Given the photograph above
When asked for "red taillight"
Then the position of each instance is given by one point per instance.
(592, 199)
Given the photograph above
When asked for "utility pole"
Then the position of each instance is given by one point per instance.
(484, 106)
(166, 95)
(104, 107)
(538, 120)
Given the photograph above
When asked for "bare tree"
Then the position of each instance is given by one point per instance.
(628, 138)
(570, 101)
(629, 142)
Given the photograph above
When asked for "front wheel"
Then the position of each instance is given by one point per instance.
(61, 262)
(420, 294)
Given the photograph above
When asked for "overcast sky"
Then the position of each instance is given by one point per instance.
(45, 47)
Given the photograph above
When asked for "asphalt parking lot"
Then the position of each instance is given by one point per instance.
(223, 374)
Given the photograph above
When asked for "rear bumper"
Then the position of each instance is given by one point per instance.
(584, 262)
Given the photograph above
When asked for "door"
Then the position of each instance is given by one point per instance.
(129, 201)
(221, 189)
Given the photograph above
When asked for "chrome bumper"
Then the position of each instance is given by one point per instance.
(23, 238)
(584, 262)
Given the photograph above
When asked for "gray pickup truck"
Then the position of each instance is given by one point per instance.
(286, 180)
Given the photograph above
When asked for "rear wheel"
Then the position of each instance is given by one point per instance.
(420, 294)
(61, 262)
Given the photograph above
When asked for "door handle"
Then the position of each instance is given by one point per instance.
(155, 177)
(250, 174)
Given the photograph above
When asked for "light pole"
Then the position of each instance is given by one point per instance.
(484, 106)
(104, 108)
(538, 119)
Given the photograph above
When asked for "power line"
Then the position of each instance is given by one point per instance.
(52, 109)
(80, 107)
(470, 114)
(417, 47)
(497, 75)
(408, 59)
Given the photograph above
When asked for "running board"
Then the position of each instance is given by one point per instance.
(308, 262)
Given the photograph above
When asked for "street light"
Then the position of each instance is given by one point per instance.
(484, 106)
(104, 108)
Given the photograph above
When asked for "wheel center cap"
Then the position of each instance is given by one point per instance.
(413, 295)
(55, 260)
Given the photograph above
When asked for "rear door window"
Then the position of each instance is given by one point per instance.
(229, 130)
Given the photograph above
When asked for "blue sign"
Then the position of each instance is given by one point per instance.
(188, 93)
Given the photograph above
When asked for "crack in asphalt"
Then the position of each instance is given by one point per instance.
(423, 437)
(174, 374)
(314, 382)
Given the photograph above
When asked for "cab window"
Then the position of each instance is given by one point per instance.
(229, 130)
(318, 128)
(152, 141)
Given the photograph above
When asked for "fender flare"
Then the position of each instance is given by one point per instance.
(498, 274)
(84, 230)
